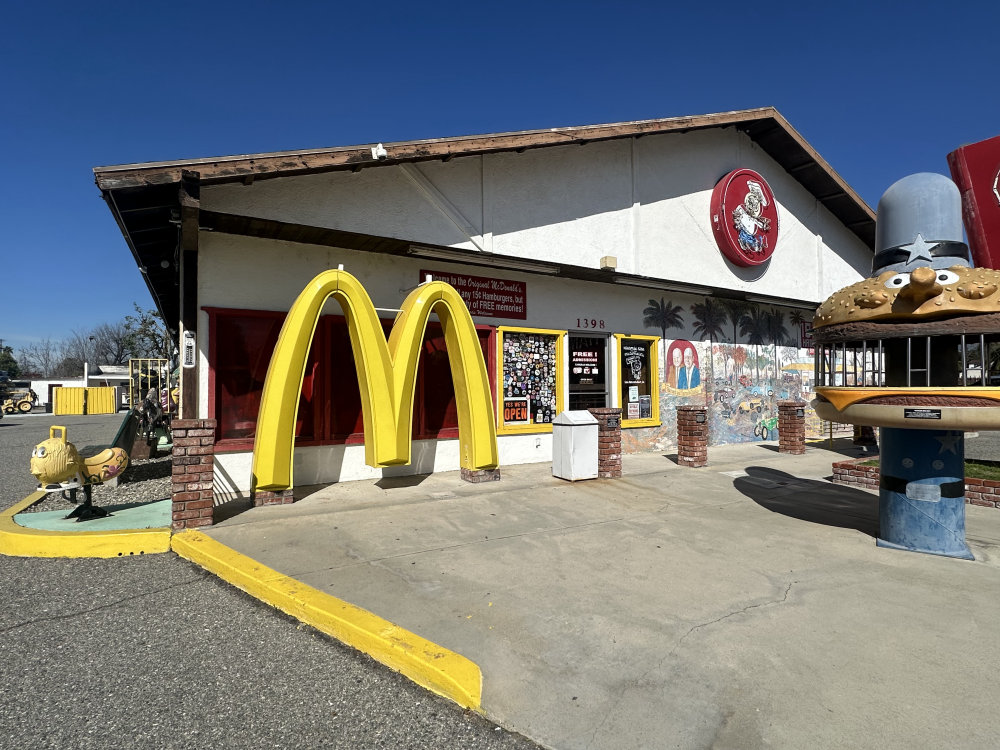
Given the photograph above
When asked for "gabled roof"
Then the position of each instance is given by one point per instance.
(146, 199)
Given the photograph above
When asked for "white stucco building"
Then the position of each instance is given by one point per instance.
(588, 256)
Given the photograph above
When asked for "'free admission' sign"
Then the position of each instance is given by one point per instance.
(493, 298)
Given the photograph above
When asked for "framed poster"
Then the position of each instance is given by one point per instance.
(638, 381)
(530, 386)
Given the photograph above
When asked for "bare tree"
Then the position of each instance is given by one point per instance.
(77, 348)
(112, 343)
(140, 335)
(40, 359)
(148, 334)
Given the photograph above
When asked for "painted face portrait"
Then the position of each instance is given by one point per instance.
(688, 357)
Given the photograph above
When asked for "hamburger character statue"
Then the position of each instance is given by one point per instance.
(915, 349)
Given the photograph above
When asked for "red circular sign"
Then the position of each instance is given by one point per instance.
(744, 217)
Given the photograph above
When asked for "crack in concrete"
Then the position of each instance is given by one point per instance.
(737, 612)
(621, 697)
(109, 605)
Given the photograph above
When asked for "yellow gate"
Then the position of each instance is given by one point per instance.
(101, 400)
(84, 401)
(68, 400)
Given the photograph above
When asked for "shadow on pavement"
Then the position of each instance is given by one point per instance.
(810, 500)
(411, 480)
(844, 446)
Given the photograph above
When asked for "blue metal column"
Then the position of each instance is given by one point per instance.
(922, 492)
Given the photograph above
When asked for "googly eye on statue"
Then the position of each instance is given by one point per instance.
(908, 463)
(938, 465)
(945, 276)
(898, 281)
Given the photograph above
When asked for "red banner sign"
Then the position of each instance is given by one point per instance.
(493, 298)
(976, 170)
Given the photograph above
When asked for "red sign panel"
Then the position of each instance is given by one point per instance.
(976, 170)
(806, 333)
(744, 218)
(494, 298)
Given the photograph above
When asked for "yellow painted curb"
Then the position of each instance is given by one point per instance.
(439, 670)
(18, 541)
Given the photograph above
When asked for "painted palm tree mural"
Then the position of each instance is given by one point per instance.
(663, 315)
(735, 309)
(776, 333)
(709, 318)
(754, 326)
(797, 318)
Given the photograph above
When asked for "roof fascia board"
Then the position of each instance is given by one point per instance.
(287, 163)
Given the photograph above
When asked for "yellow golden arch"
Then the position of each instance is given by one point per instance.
(386, 376)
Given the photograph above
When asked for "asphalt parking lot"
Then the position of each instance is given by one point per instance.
(153, 652)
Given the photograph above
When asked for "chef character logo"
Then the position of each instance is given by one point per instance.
(748, 222)
(744, 218)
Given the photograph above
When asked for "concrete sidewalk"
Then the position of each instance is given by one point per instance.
(740, 605)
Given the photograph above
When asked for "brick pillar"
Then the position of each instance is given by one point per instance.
(609, 442)
(477, 476)
(791, 427)
(193, 472)
(270, 497)
(692, 436)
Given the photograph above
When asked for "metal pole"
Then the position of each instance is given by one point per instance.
(982, 360)
(965, 368)
(909, 358)
(927, 362)
(881, 367)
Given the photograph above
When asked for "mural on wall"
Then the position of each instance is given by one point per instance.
(741, 359)
(682, 372)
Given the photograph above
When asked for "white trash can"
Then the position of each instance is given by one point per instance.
(574, 446)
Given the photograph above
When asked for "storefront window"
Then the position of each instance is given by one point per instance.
(242, 342)
(637, 380)
(530, 385)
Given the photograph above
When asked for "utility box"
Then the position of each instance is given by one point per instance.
(574, 446)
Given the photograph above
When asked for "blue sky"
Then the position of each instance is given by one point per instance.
(880, 89)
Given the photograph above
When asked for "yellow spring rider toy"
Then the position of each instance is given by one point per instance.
(58, 466)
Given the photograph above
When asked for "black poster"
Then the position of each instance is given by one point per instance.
(586, 361)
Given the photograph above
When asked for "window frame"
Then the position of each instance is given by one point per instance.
(654, 378)
(534, 428)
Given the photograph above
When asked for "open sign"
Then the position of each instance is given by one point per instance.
(516, 411)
